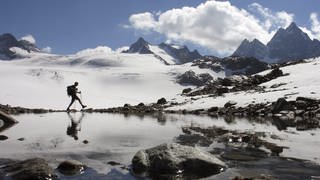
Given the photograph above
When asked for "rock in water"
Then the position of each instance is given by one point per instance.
(37, 169)
(174, 158)
(6, 118)
(71, 167)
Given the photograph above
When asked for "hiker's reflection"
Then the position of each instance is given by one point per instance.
(75, 126)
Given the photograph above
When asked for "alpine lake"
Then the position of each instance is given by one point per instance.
(106, 143)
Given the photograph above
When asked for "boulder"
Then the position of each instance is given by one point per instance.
(174, 158)
(308, 101)
(275, 73)
(230, 104)
(71, 167)
(162, 101)
(186, 91)
(213, 109)
(6, 118)
(222, 90)
(29, 169)
(280, 105)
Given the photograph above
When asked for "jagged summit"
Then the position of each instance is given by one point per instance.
(141, 46)
(286, 45)
(8, 41)
(254, 48)
(169, 53)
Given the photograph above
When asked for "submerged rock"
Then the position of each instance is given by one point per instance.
(37, 169)
(71, 167)
(174, 158)
(3, 137)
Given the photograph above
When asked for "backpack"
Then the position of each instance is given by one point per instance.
(69, 90)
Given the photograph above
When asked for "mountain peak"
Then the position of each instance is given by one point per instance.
(286, 45)
(254, 48)
(141, 46)
(293, 28)
(142, 41)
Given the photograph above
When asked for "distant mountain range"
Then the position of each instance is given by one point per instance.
(286, 45)
(170, 54)
(8, 41)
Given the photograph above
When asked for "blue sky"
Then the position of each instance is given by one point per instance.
(68, 26)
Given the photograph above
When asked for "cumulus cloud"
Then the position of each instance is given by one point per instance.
(47, 49)
(215, 25)
(99, 49)
(315, 25)
(271, 20)
(29, 38)
(143, 21)
(121, 49)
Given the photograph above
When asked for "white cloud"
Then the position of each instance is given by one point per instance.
(47, 49)
(218, 25)
(124, 48)
(99, 49)
(315, 25)
(215, 25)
(142, 21)
(271, 20)
(29, 38)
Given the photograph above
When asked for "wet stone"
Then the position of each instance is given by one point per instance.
(3, 137)
(36, 168)
(174, 159)
(21, 139)
(113, 163)
(71, 167)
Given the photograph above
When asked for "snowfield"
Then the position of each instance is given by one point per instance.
(106, 78)
(301, 80)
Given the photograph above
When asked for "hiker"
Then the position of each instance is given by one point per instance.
(72, 91)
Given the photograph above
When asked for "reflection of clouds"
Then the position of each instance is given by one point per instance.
(45, 144)
(128, 142)
(56, 142)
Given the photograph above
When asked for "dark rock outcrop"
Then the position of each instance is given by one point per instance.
(183, 54)
(191, 78)
(234, 65)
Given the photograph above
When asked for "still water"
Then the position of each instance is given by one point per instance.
(96, 139)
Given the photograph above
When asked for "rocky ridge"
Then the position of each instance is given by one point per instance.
(286, 45)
